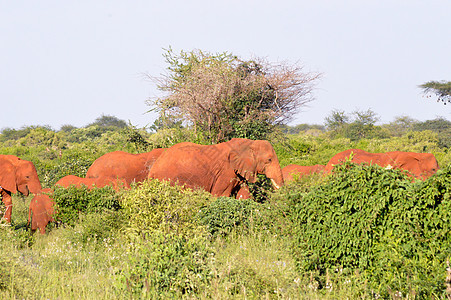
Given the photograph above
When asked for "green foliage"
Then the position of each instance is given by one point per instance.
(228, 214)
(413, 141)
(352, 205)
(77, 166)
(155, 205)
(441, 126)
(137, 138)
(67, 128)
(166, 138)
(72, 201)
(167, 266)
(361, 125)
(172, 251)
(307, 150)
(94, 227)
(378, 222)
(400, 125)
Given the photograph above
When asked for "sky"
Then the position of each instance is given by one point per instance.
(69, 62)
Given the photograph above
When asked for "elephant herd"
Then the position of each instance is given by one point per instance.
(223, 170)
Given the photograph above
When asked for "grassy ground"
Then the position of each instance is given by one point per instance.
(64, 265)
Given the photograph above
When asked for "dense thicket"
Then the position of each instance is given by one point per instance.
(394, 231)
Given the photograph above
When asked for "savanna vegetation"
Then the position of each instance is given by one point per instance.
(363, 232)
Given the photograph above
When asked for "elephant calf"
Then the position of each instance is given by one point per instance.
(41, 211)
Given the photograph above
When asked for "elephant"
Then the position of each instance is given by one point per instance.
(419, 165)
(291, 170)
(69, 180)
(220, 169)
(41, 211)
(16, 175)
(122, 165)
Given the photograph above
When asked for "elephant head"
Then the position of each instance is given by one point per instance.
(249, 158)
(422, 165)
(18, 175)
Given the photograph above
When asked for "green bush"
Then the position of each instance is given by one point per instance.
(243, 216)
(378, 222)
(155, 205)
(72, 201)
(172, 252)
(228, 214)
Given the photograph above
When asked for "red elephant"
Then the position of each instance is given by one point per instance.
(126, 166)
(16, 175)
(220, 169)
(41, 211)
(420, 165)
(300, 171)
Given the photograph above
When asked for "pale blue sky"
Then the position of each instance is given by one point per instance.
(68, 62)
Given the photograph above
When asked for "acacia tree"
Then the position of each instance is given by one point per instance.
(225, 97)
(441, 89)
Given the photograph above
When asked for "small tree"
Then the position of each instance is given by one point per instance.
(225, 97)
(441, 89)
(361, 125)
(336, 120)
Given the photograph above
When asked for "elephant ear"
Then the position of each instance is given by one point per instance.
(244, 164)
(8, 176)
(410, 163)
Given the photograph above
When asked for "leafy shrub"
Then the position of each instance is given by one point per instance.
(72, 201)
(157, 205)
(227, 214)
(172, 249)
(242, 215)
(379, 222)
(418, 243)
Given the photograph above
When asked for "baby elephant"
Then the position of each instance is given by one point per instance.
(41, 211)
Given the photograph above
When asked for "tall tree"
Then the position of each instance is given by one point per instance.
(441, 89)
(225, 96)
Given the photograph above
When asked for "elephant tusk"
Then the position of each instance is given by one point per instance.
(276, 186)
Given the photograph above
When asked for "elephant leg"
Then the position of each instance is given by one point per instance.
(7, 200)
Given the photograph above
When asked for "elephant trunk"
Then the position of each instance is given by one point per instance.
(274, 173)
